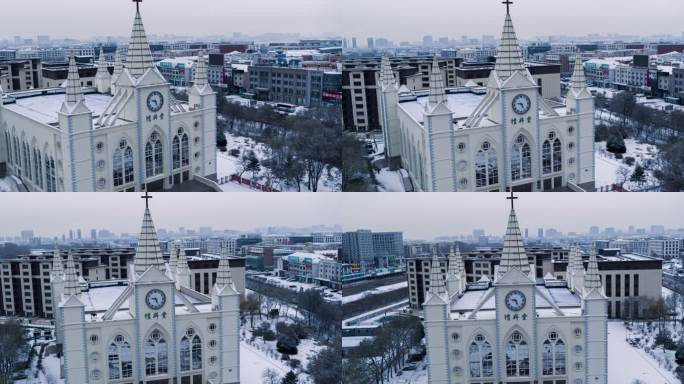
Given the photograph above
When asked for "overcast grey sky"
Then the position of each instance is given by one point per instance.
(394, 19)
(87, 18)
(420, 216)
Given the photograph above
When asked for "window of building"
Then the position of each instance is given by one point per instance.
(123, 164)
(486, 166)
(521, 159)
(154, 163)
(480, 358)
(120, 359)
(517, 356)
(156, 354)
(553, 355)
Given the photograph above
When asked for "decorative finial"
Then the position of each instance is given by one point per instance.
(147, 196)
(512, 198)
(507, 2)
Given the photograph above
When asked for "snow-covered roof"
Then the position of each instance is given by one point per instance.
(461, 104)
(44, 108)
(562, 297)
(313, 256)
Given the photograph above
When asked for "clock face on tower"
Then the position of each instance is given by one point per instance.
(155, 299)
(515, 301)
(522, 104)
(155, 101)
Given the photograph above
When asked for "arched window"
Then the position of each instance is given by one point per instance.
(552, 156)
(120, 359)
(553, 356)
(8, 142)
(154, 163)
(181, 150)
(27, 161)
(123, 164)
(517, 356)
(521, 159)
(37, 167)
(486, 166)
(50, 180)
(17, 153)
(480, 358)
(156, 354)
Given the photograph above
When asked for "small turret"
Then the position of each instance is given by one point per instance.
(103, 79)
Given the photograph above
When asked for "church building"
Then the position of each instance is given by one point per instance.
(516, 328)
(495, 138)
(127, 133)
(156, 329)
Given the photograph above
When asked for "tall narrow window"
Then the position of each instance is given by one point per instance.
(181, 149)
(517, 356)
(119, 359)
(154, 163)
(552, 155)
(480, 358)
(156, 354)
(521, 159)
(486, 167)
(123, 164)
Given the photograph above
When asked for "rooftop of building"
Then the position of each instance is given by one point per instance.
(43, 105)
(568, 301)
(461, 101)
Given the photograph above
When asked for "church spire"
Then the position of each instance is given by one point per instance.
(509, 56)
(224, 276)
(182, 269)
(579, 79)
(437, 286)
(139, 57)
(103, 79)
(173, 257)
(513, 255)
(118, 64)
(200, 79)
(437, 92)
(592, 280)
(148, 253)
(71, 286)
(74, 94)
(57, 266)
(386, 74)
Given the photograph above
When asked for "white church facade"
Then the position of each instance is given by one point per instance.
(516, 329)
(155, 329)
(127, 133)
(495, 138)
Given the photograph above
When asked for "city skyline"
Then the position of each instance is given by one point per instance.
(203, 18)
(475, 18)
(440, 215)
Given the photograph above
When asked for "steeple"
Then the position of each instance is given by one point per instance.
(224, 276)
(509, 56)
(454, 282)
(579, 79)
(139, 57)
(148, 253)
(74, 94)
(182, 269)
(71, 286)
(437, 92)
(57, 267)
(103, 79)
(173, 257)
(386, 74)
(592, 279)
(200, 79)
(513, 255)
(437, 286)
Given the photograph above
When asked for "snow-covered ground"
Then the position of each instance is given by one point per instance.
(254, 362)
(419, 376)
(228, 165)
(390, 181)
(607, 166)
(299, 286)
(627, 364)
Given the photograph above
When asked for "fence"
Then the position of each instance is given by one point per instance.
(248, 182)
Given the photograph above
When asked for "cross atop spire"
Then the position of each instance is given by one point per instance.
(507, 2)
(147, 198)
(137, 4)
(512, 198)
